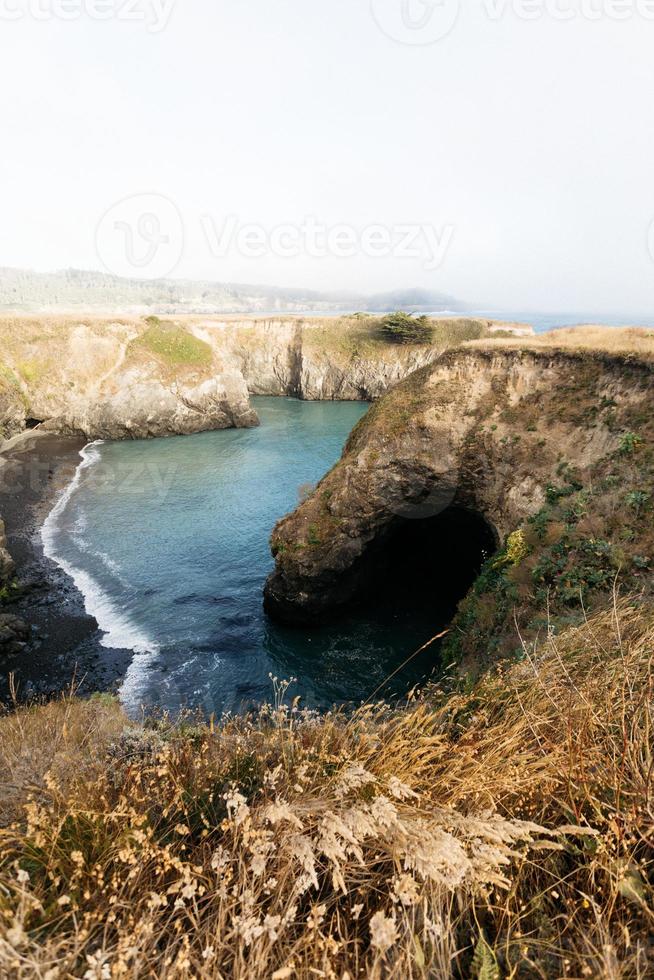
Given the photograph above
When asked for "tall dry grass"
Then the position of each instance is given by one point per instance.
(590, 337)
(503, 832)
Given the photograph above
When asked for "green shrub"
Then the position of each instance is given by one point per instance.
(402, 328)
(630, 443)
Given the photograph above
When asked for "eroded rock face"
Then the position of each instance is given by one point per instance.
(312, 359)
(487, 430)
(145, 407)
(101, 381)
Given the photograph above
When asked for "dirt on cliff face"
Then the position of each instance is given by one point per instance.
(554, 450)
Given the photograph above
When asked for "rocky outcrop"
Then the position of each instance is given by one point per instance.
(118, 380)
(267, 353)
(498, 433)
(14, 634)
(363, 378)
(145, 407)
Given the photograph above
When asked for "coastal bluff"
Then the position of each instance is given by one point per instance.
(122, 378)
(551, 448)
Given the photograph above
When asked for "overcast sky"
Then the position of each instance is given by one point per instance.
(505, 160)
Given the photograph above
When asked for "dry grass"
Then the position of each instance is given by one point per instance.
(613, 340)
(503, 832)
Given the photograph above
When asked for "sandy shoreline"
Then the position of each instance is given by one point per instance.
(35, 468)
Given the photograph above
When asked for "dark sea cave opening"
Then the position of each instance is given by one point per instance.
(387, 639)
(428, 565)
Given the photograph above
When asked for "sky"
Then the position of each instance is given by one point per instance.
(500, 151)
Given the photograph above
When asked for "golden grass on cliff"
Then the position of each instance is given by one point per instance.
(503, 832)
(590, 337)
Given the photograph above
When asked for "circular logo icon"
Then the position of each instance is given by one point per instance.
(415, 21)
(141, 237)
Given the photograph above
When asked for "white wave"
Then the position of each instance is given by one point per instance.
(119, 631)
(135, 689)
(111, 566)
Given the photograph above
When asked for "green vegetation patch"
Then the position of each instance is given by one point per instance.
(173, 345)
(8, 380)
(31, 371)
(593, 537)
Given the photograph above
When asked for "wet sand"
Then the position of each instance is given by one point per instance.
(65, 647)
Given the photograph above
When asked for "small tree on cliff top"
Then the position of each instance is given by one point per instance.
(402, 328)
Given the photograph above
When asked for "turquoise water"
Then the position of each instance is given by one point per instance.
(168, 541)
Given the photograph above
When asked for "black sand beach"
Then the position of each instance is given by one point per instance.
(65, 647)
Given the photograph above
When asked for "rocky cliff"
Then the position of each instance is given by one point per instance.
(134, 378)
(115, 380)
(341, 359)
(553, 450)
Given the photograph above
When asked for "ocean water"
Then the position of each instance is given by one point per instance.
(543, 322)
(168, 542)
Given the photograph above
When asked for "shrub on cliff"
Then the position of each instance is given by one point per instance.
(402, 328)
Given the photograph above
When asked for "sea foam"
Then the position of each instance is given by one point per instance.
(119, 632)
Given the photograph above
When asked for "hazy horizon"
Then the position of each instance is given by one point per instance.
(482, 152)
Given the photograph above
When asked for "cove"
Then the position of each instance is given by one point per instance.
(168, 540)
